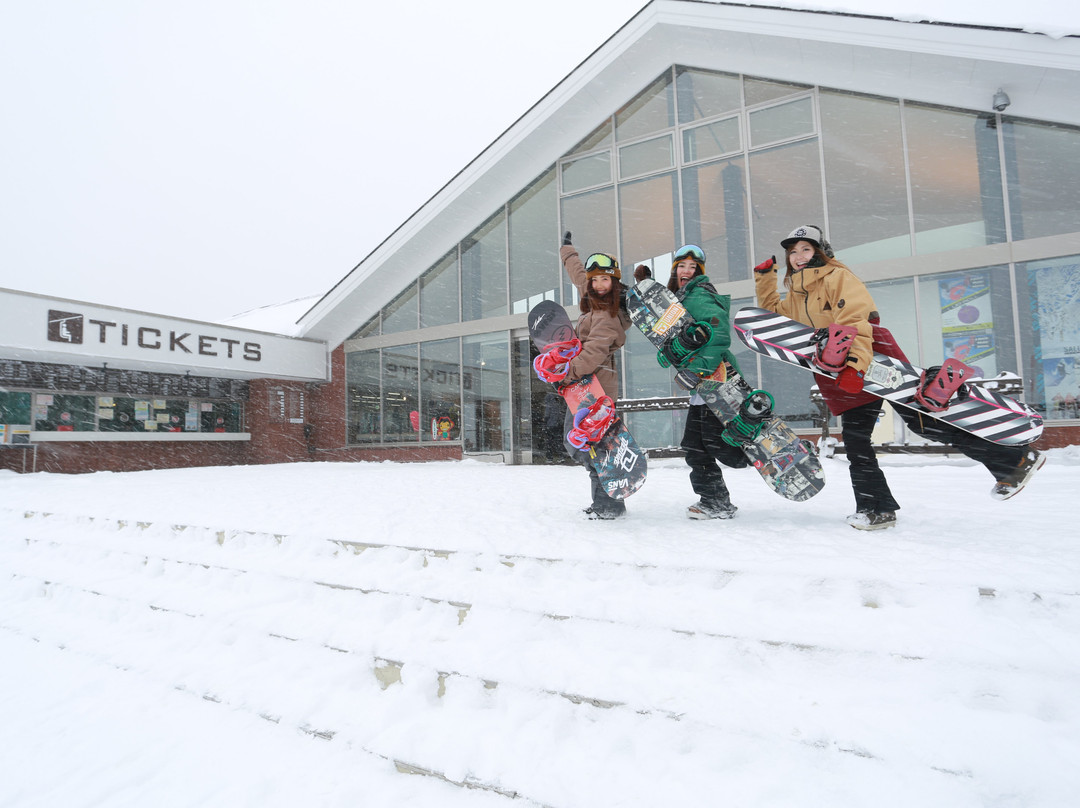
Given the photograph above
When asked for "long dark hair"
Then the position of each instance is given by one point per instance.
(590, 301)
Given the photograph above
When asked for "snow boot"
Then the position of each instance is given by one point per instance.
(872, 520)
(712, 509)
(1032, 461)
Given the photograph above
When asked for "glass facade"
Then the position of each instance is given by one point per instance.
(733, 163)
(25, 411)
(44, 397)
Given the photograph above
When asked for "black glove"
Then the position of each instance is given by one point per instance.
(642, 272)
(694, 336)
(566, 239)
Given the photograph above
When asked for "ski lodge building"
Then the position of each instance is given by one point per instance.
(942, 160)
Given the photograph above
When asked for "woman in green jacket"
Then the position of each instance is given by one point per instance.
(702, 438)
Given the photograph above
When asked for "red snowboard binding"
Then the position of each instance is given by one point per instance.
(553, 365)
(939, 383)
(590, 423)
(832, 345)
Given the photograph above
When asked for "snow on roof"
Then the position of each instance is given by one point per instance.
(1050, 17)
(278, 318)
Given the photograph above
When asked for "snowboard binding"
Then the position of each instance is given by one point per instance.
(591, 422)
(679, 349)
(746, 426)
(831, 346)
(553, 365)
(939, 383)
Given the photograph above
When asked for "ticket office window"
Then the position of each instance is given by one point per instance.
(63, 412)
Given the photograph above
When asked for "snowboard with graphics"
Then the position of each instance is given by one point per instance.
(787, 463)
(619, 462)
(976, 410)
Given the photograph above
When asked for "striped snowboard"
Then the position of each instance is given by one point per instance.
(984, 413)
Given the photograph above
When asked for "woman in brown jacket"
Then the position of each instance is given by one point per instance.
(822, 291)
(601, 327)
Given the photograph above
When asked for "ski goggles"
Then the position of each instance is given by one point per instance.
(601, 261)
(690, 251)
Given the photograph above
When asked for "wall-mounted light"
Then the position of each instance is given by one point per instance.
(1001, 100)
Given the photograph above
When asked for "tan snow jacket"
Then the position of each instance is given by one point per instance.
(601, 334)
(823, 295)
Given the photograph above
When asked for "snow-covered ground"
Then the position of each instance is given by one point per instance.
(455, 634)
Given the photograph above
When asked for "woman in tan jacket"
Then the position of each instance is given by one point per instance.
(821, 292)
(601, 327)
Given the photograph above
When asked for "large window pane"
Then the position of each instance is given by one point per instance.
(761, 91)
(711, 140)
(864, 177)
(895, 301)
(715, 217)
(1043, 164)
(652, 111)
(486, 390)
(955, 179)
(661, 429)
(968, 316)
(703, 95)
(782, 122)
(591, 218)
(601, 136)
(439, 293)
(64, 413)
(1049, 306)
(483, 271)
(785, 188)
(401, 377)
(363, 397)
(646, 157)
(534, 245)
(368, 329)
(586, 172)
(440, 390)
(649, 219)
(14, 411)
(402, 313)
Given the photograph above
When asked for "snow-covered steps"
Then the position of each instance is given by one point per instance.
(456, 664)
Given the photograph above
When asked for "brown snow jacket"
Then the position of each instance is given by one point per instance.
(601, 334)
(829, 294)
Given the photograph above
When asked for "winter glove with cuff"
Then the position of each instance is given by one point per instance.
(850, 380)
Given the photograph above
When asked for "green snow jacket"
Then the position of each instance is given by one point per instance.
(707, 305)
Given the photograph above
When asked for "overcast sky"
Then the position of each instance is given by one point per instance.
(203, 158)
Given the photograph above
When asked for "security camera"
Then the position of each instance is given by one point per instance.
(1001, 100)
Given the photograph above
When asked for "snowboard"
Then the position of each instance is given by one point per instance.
(787, 463)
(619, 462)
(981, 412)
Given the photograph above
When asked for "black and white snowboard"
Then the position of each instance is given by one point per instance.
(976, 410)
